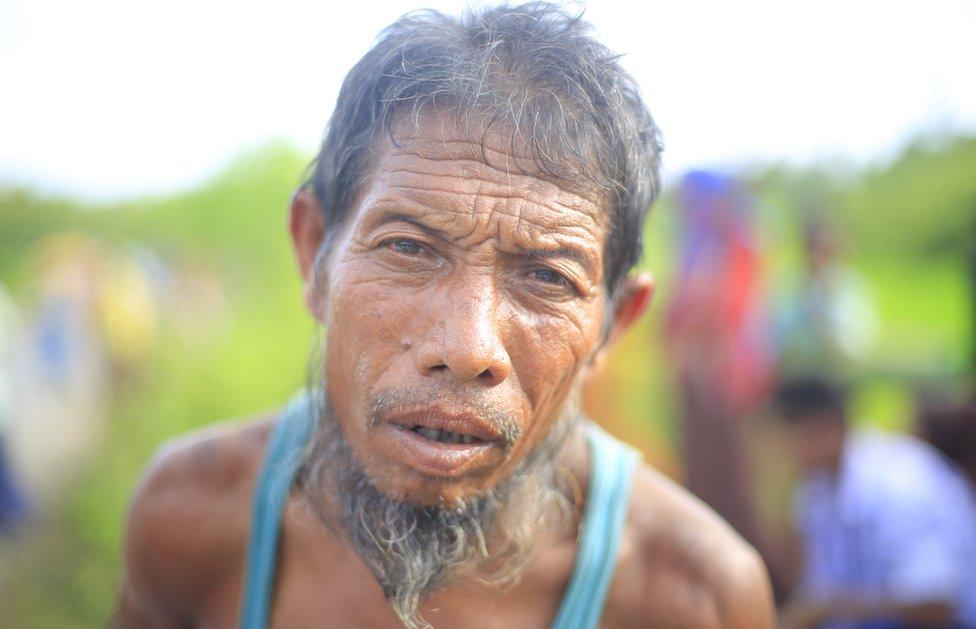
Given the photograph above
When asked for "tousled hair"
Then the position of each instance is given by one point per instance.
(532, 71)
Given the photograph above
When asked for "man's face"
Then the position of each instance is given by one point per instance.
(462, 302)
(817, 442)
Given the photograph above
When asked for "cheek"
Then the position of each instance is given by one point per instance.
(367, 323)
(810, 447)
(548, 353)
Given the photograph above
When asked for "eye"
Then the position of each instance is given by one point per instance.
(553, 277)
(405, 246)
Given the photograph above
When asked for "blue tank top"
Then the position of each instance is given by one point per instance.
(611, 467)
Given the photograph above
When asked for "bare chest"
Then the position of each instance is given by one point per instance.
(340, 599)
(318, 585)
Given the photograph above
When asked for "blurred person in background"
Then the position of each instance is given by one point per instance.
(71, 371)
(716, 324)
(716, 331)
(829, 321)
(66, 383)
(466, 236)
(13, 500)
(126, 310)
(887, 525)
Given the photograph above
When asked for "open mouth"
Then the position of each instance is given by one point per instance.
(445, 436)
(442, 444)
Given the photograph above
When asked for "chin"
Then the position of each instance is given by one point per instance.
(422, 490)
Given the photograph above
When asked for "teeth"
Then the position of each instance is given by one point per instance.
(444, 436)
(430, 433)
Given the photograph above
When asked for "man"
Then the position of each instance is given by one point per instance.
(888, 526)
(828, 320)
(465, 239)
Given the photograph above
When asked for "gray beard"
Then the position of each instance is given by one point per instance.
(412, 550)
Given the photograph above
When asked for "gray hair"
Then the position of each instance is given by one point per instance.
(532, 70)
(413, 550)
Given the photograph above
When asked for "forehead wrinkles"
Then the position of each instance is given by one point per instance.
(495, 152)
(473, 200)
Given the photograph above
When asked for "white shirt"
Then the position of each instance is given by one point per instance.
(898, 524)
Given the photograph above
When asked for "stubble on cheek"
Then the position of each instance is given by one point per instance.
(553, 372)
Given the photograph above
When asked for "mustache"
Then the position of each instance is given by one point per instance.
(391, 402)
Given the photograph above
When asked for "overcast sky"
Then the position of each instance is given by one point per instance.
(111, 98)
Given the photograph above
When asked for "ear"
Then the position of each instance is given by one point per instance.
(307, 227)
(635, 296)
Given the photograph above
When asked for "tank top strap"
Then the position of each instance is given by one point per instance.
(281, 461)
(611, 468)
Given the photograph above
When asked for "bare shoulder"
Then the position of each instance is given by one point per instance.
(685, 566)
(188, 522)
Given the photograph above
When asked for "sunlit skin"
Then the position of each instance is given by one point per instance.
(459, 290)
(465, 283)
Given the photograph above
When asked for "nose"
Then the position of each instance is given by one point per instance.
(466, 342)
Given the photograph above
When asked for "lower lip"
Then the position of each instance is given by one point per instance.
(435, 458)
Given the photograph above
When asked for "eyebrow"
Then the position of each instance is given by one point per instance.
(565, 253)
(559, 253)
(400, 217)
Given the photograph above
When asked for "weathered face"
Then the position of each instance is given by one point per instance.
(462, 301)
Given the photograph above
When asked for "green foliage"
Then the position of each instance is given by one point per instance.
(923, 204)
(251, 357)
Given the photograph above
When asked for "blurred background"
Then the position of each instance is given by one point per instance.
(819, 219)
